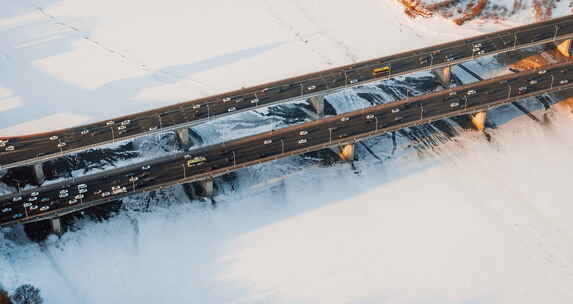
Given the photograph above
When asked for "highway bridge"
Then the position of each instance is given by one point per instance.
(207, 162)
(25, 150)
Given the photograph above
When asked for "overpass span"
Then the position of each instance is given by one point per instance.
(24, 150)
(207, 162)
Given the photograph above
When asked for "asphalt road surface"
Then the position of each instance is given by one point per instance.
(207, 162)
(18, 151)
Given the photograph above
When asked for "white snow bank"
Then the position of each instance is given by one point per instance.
(470, 222)
(102, 59)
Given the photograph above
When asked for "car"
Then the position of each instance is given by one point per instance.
(34, 207)
(343, 119)
(533, 82)
(302, 141)
(72, 201)
(133, 179)
(226, 99)
(7, 209)
(82, 190)
(255, 100)
(54, 137)
(109, 123)
(312, 87)
(120, 190)
(62, 144)
(560, 82)
(97, 192)
(153, 128)
(395, 110)
(79, 196)
(353, 81)
(121, 127)
(480, 52)
(63, 191)
(26, 205)
(45, 199)
(377, 71)
(44, 208)
(10, 148)
(196, 106)
(398, 118)
(454, 93)
(63, 195)
(81, 186)
(542, 72)
(2, 144)
(35, 193)
(17, 215)
(146, 167)
(16, 198)
(522, 89)
(125, 122)
(454, 104)
(84, 132)
(370, 116)
(115, 187)
(105, 194)
(477, 45)
(268, 141)
(471, 92)
(231, 109)
(33, 198)
(303, 132)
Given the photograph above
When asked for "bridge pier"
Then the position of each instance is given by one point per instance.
(478, 120)
(345, 152)
(56, 224)
(39, 176)
(183, 138)
(317, 102)
(444, 75)
(564, 47)
(207, 187)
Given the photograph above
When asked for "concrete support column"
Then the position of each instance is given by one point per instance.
(444, 75)
(207, 187)
(39, 173)
(56, 226)
(345, 152)
(183, 137)
(564, 47)
(317, 102)
(478, 120)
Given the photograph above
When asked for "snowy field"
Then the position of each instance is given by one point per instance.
(468, 222)
(69, 62)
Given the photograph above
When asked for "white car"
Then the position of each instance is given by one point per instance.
(370, 116)
(303, 132)
(34, 193)
(472, 92)
(109, 123)
(146, 167)
(62, 144)
(33, 198)
(533, 82)
(6, 210)
(153, 128)
(84, 132)
(395, 110)
(45, 208)
(343, 119)
(125, 122)
(54, 137)
(560, 82)
(26, 205)
(302, 141)
(231, 109)
(256, 100)
(197, 106)
(82, 186)
(17, 198)
(268, 141)
(83, 190)
(454, 93)
(353, 81)
(454, 104)
(72, 201)
(312, 87)
(79, 196)
(121, 127)
(63, 195)
(34, 207)
(226, 99)
(542, 72)
(133, 179)
(10, 148)
(105, 194)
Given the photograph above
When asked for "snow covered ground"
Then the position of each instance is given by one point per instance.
(69, 62)
(471, 221)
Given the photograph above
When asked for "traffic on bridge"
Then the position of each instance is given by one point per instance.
(24, 150)
(210, 161)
